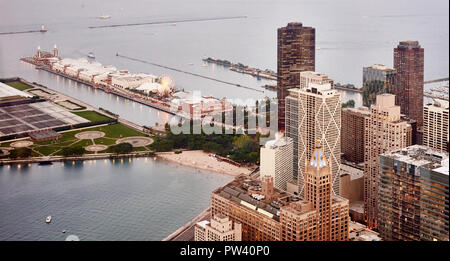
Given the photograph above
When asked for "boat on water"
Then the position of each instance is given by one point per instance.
(317, 48)
(43, 29)
(105, 16)
(91, 55)
(48, 219)
(191, 63)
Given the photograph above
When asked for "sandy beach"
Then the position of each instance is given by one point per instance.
(202, 160)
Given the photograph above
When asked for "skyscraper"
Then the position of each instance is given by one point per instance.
(435, 125)
(413, 195)
(385, 131)
(352, 133)
(276, 161)
(377, 79)
(408, 87)
(296, 53)
(314, 114)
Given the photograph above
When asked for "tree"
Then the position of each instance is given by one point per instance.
(73, 151)
(121, 148)
(20, 153)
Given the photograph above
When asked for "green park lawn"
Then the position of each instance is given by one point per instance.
(92, 116)
(19, 85)
(112, 133)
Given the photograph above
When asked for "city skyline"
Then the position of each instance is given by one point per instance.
(105, 128)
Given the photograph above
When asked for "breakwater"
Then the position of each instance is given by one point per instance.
(170, 21)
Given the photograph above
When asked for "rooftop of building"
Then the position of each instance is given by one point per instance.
(279, 141)
(439, 104)
(359, 232)
(419, 155)
(362, 110)
(314, 88)
(380, 67)
(409, 44)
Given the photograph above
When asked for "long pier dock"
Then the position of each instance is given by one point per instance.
(170, 21)
(190, 73)
(22, 32)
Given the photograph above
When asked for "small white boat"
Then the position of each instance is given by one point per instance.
(105, 17)
(43, 29)
(91, 55)
(64, 231)
(317, 48)
(48, 219)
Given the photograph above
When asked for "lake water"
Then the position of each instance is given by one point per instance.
(149, 200)
(141, 199)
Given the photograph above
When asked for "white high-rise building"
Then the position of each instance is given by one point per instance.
(435, 125)
(276, 161)
(221, 228)
(312, 114)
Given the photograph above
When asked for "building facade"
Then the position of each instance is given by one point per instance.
(377, 79)
(408, 87)
(314, 114)
(269, 214)
(221, 228)
(276, 161)
(435, 125)
(413, 189)
(296, 53)
(385, 131)
(353, 125)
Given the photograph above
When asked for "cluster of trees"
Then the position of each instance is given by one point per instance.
(20, 153)
(349, 104)
(121, 148)
(73, 151)
(240, 148)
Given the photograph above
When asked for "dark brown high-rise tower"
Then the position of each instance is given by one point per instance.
(296, 53)
(408, 89)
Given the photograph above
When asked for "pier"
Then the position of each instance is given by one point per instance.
(240, 68)
(190, 73)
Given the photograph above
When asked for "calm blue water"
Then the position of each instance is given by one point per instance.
(101, 200)
(150, 200)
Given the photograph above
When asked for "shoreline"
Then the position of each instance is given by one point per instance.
(198, 159)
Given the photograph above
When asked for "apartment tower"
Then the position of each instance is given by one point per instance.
(413, 195)
(276, 161)
(296, 53)
(352, 133)
(408, 88)
(312, 114)
(435, 125)
(385, 131)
